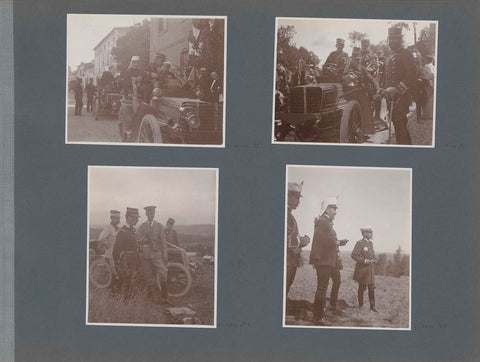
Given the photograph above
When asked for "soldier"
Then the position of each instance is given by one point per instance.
(154, 251)
(78, 97)
(370, 62)
(133, 71)
(108, 236)
(364, 273)
(336, 61)
(125, 252)
(170, 233)
(323, 256)
(295, 242)
(400, 79)
(90, 90)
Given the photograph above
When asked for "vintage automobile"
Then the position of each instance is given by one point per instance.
(179, 277)
(324, 112)
(170, 117)
(106, 103)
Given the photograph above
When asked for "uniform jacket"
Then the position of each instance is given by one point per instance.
(171, 236)
(107, 238)
(364, 273)
(293, 256)
(153, 236)
(324, 244)
(126, 241)
(339, 59)
(78, 92)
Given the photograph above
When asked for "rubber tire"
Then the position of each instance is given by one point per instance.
(344, 123)
(149, 120)
(103, 264)
(183, 269)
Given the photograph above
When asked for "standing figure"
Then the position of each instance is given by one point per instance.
(323, 256)
(125, 252)
(153, 252)
(108, 236)
(171, 233)
(295, 242)
(370, 62)
(215, 88)
(401, 76)
(78, 97)
(364, 273)
(428, 74)
(90, 90)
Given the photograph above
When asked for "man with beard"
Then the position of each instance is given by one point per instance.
(400, 80)
(153, 251)
(364, 273)
(323, 256)
(295, 242)
(125, 252)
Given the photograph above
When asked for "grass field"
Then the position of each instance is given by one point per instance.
(107, 307)
(392, 299)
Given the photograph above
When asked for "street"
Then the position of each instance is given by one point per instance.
(85, 128)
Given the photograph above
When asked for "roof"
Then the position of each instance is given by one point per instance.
(121, 30)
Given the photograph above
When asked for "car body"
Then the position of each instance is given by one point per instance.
(324, 112)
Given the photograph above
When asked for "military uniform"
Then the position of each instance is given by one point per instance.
(171, 236)
(401, 68)
(364, 273)
(125, 255)
(78, 98)
(153, 251)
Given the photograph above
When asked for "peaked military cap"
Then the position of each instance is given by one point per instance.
(131, 211)
(295, 187)
(365, 42)
(356, 52)
(170, 220)
(340, 41)
(366, 228)
(150, 208)
(114, 213)
(394, 31)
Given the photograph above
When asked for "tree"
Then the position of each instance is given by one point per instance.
(426, 40)
(209, 46)
(356, 36)
(381, 265)
(135, 42)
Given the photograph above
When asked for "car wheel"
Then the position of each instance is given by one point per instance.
(149, 130)
(179, 280)
(352, 126)
(100, 274)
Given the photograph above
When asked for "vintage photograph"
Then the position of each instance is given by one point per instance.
(152, 246)
(348, 247)
(355, 81)
(146, 80)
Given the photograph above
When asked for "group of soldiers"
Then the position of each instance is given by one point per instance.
(397, 79)
(142, 251)
(325, 255)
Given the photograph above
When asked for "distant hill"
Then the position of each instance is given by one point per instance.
(187, 234)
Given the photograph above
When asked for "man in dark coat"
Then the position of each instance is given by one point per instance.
(78, 97)
(295, 242)
(90, 90)
(323, 255)
(171, 233)
(125, 252)
(364, 273)
(400, 76)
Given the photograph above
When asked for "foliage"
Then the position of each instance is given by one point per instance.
(209, 46)
(426, 40)
(288, 54)
(398, 266)
(135, 42)
(356, 37)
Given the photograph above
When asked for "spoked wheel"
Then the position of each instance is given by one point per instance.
(149, 131)
(179, 280)
(100, 273)
(352, 127)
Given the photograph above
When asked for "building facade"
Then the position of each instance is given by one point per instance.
(103, 52)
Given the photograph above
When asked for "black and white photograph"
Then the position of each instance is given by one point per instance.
(355, 81)
(348, 247)
(152, 246)
(146, 80)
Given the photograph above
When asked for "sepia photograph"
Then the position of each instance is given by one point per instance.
(365, 82)
(146, 80)
(152, 246)
(348, 247)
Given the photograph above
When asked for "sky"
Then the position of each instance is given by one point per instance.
(187, 195)
(84, 32)
(378, 197)
(319, 35)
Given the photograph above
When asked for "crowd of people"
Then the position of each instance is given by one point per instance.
(132, 251)
(325, 255)
(402, 77)
(152, 80)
